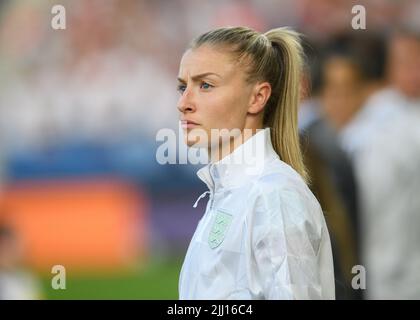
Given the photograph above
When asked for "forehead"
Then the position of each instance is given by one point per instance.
(207, 59)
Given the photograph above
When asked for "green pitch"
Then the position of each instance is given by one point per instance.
(158, 279)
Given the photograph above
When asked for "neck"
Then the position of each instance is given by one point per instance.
(225, 148)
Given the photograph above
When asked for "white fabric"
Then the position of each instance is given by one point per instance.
(383, 141)
(375, 116)
(276, 244)
(389, 176)
(18, 285)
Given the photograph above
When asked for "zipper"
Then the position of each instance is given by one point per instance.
(199, 198)
(213, 190)
(211, 200)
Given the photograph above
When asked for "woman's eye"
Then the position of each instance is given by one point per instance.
(181, 88)
(205, 85)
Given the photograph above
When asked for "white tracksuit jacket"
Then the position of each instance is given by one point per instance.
(263, 234)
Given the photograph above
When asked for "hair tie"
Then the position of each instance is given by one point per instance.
(266, 38)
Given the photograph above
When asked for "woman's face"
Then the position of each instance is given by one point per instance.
(213, 93)
(342, 95)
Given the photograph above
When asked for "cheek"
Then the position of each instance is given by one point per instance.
(229, 110)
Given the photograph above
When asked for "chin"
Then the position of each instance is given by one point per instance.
(190, 143)
(193, 143)
(196, 138)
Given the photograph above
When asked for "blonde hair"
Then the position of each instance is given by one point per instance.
(276, 57)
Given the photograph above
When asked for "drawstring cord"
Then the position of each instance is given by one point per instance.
(199, 198)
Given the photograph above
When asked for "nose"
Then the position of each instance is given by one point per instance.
(186, 102)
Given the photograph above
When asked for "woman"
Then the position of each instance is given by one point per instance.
(263, 234)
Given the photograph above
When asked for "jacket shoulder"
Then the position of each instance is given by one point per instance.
(282, 193)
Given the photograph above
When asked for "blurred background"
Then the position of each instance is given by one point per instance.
(80, 108)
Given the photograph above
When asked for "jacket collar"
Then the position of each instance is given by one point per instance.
(243, 164)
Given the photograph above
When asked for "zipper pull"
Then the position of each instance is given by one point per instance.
(199, 198)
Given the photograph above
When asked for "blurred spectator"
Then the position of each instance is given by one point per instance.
(389, 174)
(353, 95)
(404, 63)
(377, 125)
(331, 178)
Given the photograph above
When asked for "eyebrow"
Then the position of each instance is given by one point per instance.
(199, 76)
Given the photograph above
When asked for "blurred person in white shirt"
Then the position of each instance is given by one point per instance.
(389, 169)
(378, 123)
(332, 177)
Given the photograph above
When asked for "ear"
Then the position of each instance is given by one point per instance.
(259, 97)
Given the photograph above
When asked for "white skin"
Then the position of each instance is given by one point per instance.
(343, 93)
(404, 65)
(215, 95)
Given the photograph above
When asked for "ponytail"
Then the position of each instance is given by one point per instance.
(283, 116)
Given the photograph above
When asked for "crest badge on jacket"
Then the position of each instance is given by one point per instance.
(219, 228)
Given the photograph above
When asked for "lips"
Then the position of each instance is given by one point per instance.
(188, 124)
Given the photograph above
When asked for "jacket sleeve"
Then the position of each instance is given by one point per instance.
(286, 244)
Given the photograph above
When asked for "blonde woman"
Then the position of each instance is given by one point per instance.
(263, 233)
